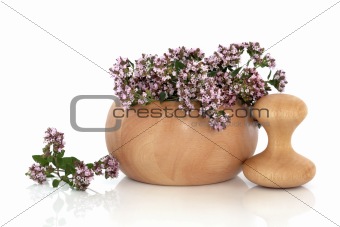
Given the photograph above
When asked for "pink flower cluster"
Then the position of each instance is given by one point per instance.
(190, 81)
(84, 174)
(72, 171)
(123, 81)
(225, 56)
(249, 86)
(82, 177)
(219, 121)
(279, 81)
(150, 79)
(37, 173)
(55, 138)
(184, 75)
(109, 164)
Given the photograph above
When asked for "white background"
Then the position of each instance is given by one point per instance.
(40, 76)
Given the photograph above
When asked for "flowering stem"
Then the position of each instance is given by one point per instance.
(57, 166)
(57, 172)
(53, 164)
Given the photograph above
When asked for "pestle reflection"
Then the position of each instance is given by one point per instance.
(277, 206)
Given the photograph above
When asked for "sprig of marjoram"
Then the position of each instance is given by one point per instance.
(53, 164)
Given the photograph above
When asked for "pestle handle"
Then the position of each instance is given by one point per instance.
(279, 166)
(283, 114)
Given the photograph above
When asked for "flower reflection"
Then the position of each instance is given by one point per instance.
(81, 202)
(67, 200)
(131, 203)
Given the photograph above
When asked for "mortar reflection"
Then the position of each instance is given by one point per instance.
(142, 204)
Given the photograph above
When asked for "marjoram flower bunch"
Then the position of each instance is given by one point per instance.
(52, 164)
(186, 75)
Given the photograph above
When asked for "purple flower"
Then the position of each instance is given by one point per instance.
(279, 81)
(37, 173)
(219, 121)
(269, 61)
(249, 86)
(225, 56)
(254, 49)
(55, 138)
(122, 72)
(184, 54)
(111, 166)
(184, 75)
(98, 167)
(82, 177)
(190, 82)
(266, 61)
(217, 92)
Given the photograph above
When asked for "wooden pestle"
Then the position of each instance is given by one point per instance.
(279, 166)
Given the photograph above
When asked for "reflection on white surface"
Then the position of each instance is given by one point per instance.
(277, 206)
(77, 203)
(130, 203)
(210, 205)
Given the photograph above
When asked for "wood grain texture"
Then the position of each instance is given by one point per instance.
(184, 151)
(279, 166)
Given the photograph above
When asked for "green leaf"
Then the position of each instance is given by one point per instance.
(50, 159)
(162, 96)
(212, 73)
(148, 92)
(179, 65)
(61, 154)
(89, 165)
(68, 164)
(66, 180)
(221, 112)
(55, 183)
(230, 68)
(275, 83)
(68, 161)
(133, 65)
(69, 170)
(267, 88)
(40, 159)
(48, 175)
(270, 73)
(263, 64)
(235, 72)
